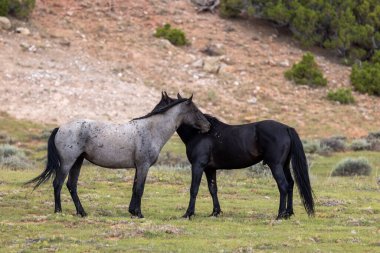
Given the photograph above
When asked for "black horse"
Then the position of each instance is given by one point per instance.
(240, 146)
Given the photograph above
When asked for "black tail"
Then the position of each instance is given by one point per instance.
(52, 165)
(301, 172)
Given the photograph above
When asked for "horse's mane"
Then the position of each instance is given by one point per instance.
(214, 121)
(159, 110)
(211, 118)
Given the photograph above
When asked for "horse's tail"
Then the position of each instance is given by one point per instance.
(53, 162)
(301, 172)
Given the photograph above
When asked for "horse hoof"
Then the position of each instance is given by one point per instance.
(187, 216)
(283, 216)
(82, 214)
(215, 214)
(290, 213)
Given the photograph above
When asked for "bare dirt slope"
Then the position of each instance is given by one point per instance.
(83, 60)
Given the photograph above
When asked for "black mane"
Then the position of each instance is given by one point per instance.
(162, 109)
(212, 119)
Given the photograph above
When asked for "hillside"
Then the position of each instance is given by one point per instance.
(82, 60)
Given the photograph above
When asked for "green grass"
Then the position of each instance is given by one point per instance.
(347, 213)
(347, 209)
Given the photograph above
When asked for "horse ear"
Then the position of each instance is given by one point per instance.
(166, 95)
(190, 100)
(162, 94)
(179, 96)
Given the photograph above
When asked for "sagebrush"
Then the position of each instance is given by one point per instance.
(352, 167)
(13, 157)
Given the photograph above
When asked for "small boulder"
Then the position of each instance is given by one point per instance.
(214, 49)
(5, 23)
(284, 63)
(198, 63)
(211, 65)
(23, 30)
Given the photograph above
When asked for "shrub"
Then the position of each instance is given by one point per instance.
(352, 167)
(4, 7)
(374, 139)
(366, 78)
(175, 36)
(374, 136)
(4, 138)
(172, 160)
(351, 28)
(231, 8)
(12, 157)
(360, 144)
(335, 143)
(259, 170)
(311, 146)
(342, 95)
(21, 9)
(306, 72)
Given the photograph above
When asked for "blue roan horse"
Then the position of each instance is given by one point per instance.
(135, 144)
(240, 146)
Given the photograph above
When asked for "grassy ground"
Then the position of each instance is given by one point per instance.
(347, 218)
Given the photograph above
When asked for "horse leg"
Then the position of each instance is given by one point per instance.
(213, 188)
(283, 186)
(138, 190)
(132, 204)
(289, 179)
(196, 176)
(59, 179)
(72, 185)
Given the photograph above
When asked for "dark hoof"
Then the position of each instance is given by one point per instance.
(215, 213)
(136, 214)
(187, 215)
(290, 213)
(132, 212)
(58, 211)
(82, 214)
(283, 216)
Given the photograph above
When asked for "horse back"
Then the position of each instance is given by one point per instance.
(235, 147)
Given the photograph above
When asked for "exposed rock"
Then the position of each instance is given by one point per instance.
(5, 23)
(211, 64)
(65, 43)
(23, 30)
(252, 100)
(165, 44)
(224, 68)
(256, 37)
(284, 63)
(214, 49)
(198, 63)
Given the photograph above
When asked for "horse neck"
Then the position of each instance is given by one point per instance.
(164, 125)
(186, 132)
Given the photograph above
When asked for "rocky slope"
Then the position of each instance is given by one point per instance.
(83, 60)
